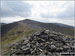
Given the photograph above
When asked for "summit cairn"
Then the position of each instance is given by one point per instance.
(44, 42)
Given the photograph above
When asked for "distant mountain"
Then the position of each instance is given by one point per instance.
(63, 25)
(2, 23)
(0, 27)
(31, 24)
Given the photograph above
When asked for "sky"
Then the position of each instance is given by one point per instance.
(43, 11)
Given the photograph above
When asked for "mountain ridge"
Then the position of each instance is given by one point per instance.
(36, 25)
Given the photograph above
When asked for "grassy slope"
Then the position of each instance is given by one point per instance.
(9, 39)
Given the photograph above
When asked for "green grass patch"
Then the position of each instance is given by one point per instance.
(10, 39)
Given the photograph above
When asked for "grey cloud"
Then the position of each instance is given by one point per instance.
(46, 16)
(15, 8)
(68, 13)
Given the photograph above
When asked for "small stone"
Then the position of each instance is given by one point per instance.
(24, 47)
(53, 47)
(25, 42)
(47, 31)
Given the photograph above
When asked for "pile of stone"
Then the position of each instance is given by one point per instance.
(44, 42)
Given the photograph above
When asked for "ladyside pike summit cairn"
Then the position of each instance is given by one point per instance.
(44, 42)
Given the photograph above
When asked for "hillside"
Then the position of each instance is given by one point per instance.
(38, 25)
(13, 32)
(51, 26)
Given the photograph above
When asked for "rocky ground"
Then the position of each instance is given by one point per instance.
(44, 42)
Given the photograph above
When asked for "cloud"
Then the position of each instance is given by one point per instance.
(15, 8)
(65, 11)
(43, 11)
(11, 19)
